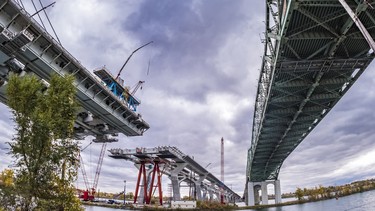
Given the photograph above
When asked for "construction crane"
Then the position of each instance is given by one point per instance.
(89, 193)
(119, 72)
(98, 168)
(139, 84)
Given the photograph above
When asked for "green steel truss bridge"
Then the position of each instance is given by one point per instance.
(314, 51)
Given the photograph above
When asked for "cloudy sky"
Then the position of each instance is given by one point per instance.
(201, 86)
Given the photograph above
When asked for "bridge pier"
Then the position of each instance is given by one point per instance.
(176, 182)
(253, 192)
(277, 192)
(198, 189)
(264, 193)
(211, 192)
(205, 194)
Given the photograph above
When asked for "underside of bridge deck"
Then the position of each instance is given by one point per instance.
(314, 52)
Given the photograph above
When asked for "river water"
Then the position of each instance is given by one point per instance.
(356, 202)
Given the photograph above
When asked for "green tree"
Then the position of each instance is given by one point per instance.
(130, 195)
(7, 190)
(321, 191)
(299, 194)
(45, 153)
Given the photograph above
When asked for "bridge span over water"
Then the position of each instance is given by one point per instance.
(314, 51)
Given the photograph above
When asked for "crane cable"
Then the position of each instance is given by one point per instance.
(40, 18)
(21, 3)
(53, 29)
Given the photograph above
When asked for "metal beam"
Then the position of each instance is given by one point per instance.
(359, 24)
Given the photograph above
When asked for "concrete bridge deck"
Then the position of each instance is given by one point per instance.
(27, 48)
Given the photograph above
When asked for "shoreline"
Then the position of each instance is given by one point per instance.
(224, 207)
(296, 202)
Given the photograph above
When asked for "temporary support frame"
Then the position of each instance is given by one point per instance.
(142, 172)
(158, 185)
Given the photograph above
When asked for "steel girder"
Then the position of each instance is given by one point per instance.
(313, 54)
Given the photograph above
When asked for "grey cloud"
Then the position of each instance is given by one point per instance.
(183, 53)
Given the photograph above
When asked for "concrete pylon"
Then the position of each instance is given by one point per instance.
(250, 194)
(205, 194)
(175, 181)
(253, 192)
(198, 190)
(277, 192)
(217, 193)
(211, 191)
(264, 193)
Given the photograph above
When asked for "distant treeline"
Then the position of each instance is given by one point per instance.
(321, 192)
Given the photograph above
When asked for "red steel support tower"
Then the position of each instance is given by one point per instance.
(148, 193)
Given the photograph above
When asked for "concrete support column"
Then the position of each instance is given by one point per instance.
(175, 188)
(230, 198)
(256, 196)
(198, 189)
(211, 191)
(210, 195)
(277, 192)
(227, 198)
(250, 194)
(217, 193)
(141, 198)
(205, 194)
(175, 182)
(264, 193)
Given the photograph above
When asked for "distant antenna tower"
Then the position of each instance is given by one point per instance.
(222, 170)
(222, 159)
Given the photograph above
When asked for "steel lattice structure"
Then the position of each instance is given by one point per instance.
(313, 53)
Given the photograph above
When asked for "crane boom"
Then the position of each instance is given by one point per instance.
(99, 167)
(137, 87)
(118, 75)
(84, 175)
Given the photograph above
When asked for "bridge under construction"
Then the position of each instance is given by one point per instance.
(179, 167)
(27, 48)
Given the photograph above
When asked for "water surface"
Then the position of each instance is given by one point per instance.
(356, 202)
